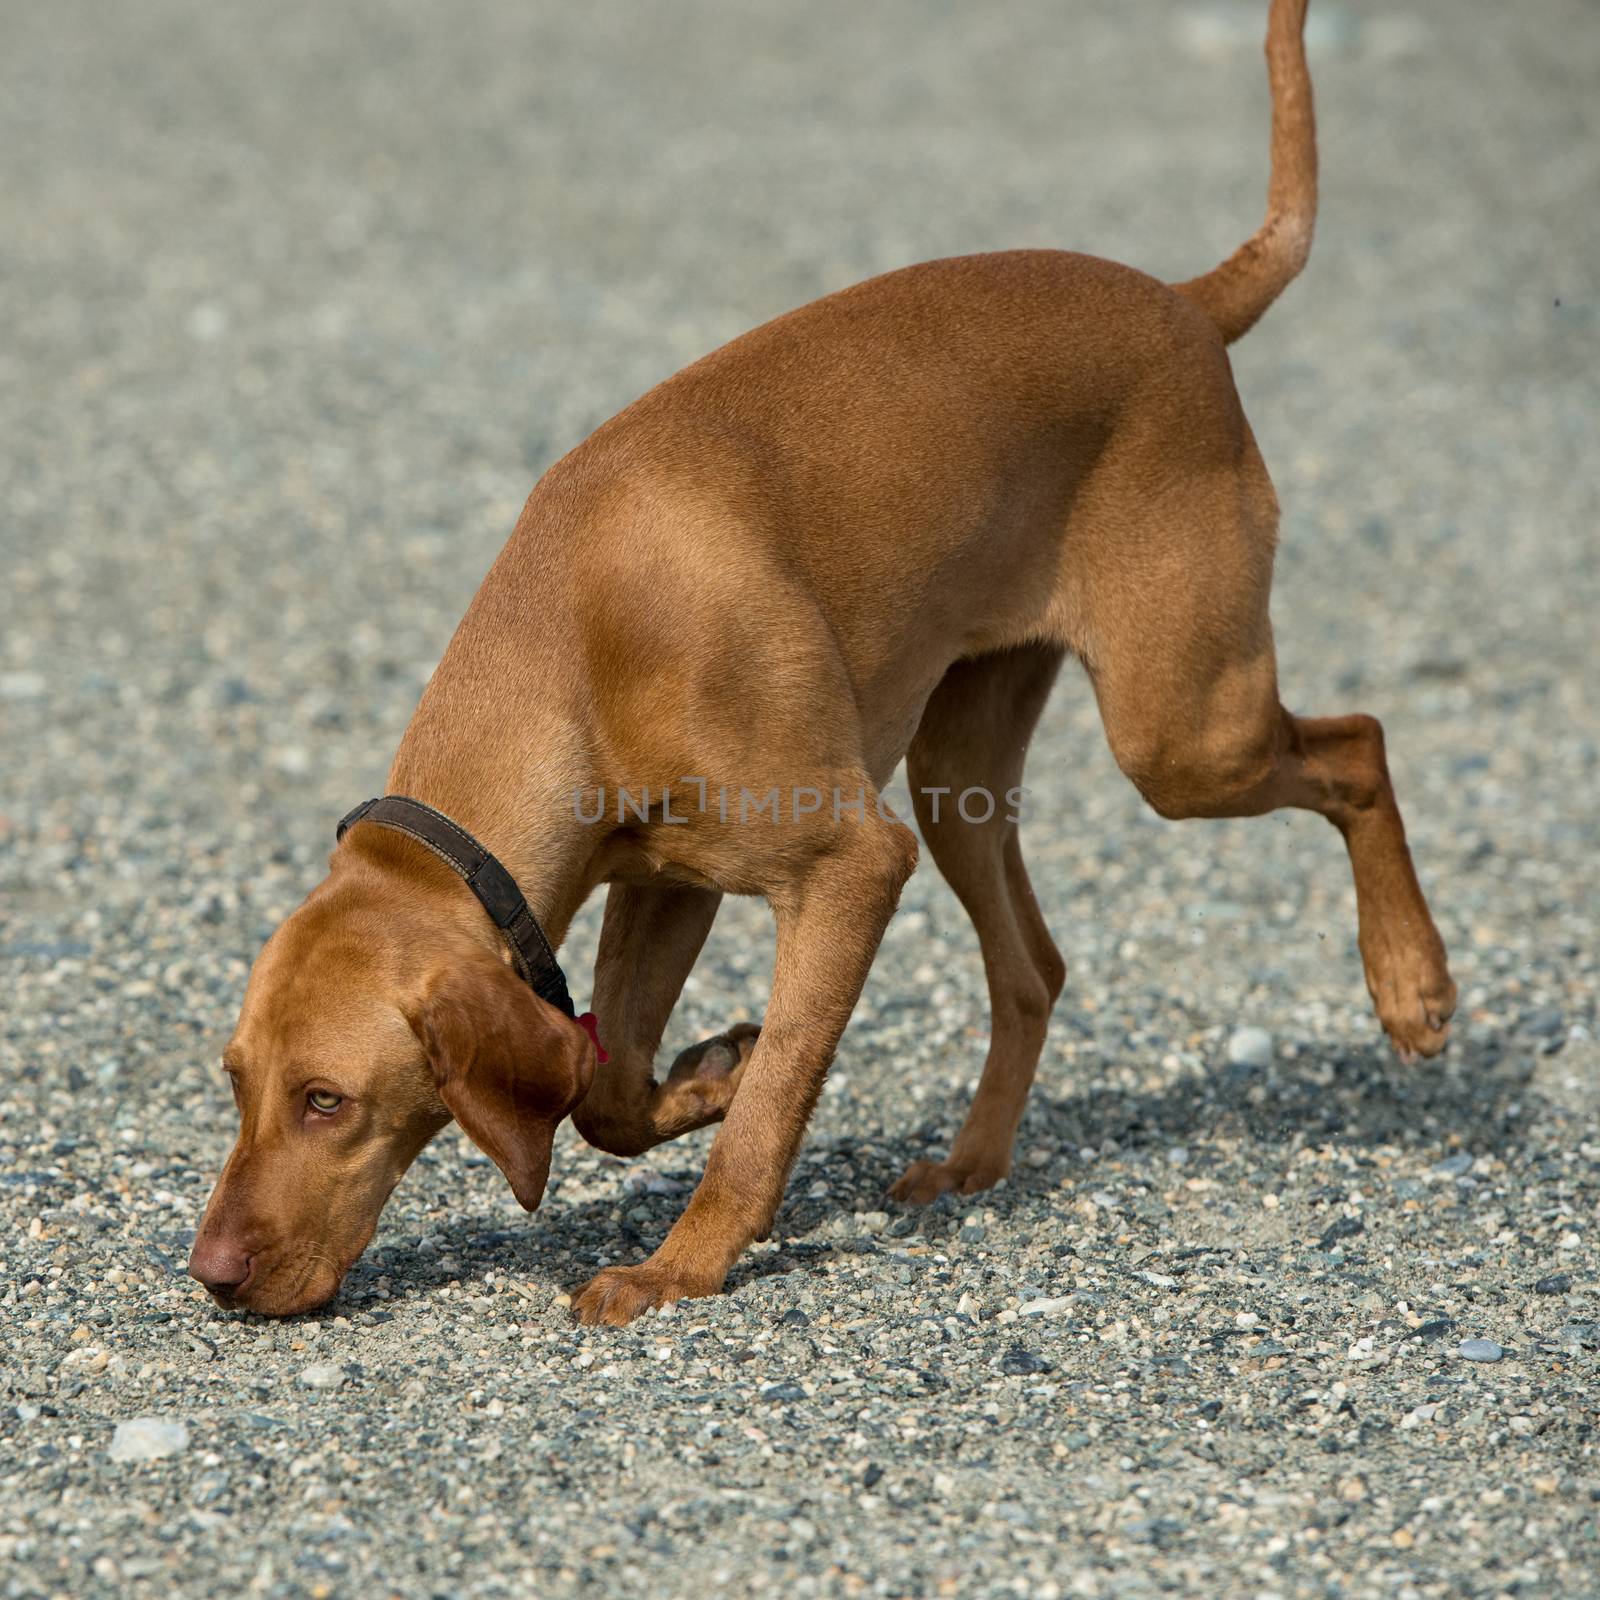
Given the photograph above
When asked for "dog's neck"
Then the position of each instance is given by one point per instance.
(511, 785)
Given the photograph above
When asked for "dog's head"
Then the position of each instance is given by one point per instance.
(367, 1025)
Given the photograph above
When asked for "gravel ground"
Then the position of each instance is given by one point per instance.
(299, 301)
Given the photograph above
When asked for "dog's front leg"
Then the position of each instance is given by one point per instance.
(829, 924)
(649, 941)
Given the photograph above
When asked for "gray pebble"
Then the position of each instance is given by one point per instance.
(1048, 1307)
(1250, 1047)
(323, 1375)
(1020, 1362)
(148, 1439)
(1479, 1350)
(1545, 1022)
(211, 1486)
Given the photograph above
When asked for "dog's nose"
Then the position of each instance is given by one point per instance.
(219, 1264)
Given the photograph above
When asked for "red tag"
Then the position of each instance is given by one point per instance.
(591, 1026)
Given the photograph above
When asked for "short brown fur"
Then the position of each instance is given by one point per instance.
(871, 529)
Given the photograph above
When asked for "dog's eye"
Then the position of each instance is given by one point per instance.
(321, 1100)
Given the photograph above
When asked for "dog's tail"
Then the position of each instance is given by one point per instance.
(1235, 294)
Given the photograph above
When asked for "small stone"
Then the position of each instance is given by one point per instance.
(873, 1221)
(644, 1181)
(207, 322)
(148, 1439)
(323, 1375)
(1479, 1350)
(1046, 1308)
(22, 685)
(1456, 1166)
(208, 1488)
(782, 1391)
(972, 1228)
(1342, 1228)
(1018, 1362)
(1250, 1047)
(1556, 1283)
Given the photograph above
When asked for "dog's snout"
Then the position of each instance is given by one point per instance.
(222, 1265)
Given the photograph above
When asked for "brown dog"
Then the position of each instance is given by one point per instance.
(868, 530)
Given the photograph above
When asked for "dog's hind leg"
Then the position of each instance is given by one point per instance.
(1184, 669)
(974, 736)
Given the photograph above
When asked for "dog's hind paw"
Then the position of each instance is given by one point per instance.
(924, 1181)
(719, 1057)
(1415, 998)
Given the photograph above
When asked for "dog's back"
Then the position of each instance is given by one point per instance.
(947, 420)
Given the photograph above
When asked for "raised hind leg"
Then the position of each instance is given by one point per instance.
(972, 741)
(1187, 685)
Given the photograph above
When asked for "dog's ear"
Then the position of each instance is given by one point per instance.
(508, 1066)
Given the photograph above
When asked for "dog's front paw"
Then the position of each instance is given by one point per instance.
(616, 1296)
(924, 1181)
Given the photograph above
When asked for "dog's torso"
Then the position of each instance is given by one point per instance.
(757, 573)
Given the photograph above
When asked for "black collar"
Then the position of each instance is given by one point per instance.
(495, 888)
